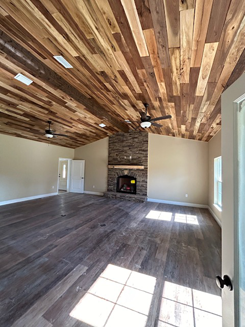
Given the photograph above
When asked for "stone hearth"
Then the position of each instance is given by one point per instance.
(129, 150)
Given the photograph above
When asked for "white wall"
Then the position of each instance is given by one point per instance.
(96, 165)
(28, 168)
(214, 151)
(178, 167)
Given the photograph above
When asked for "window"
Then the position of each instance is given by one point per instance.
(64, 171)
(218, 182)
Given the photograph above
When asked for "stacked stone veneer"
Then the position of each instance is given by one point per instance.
(128, 149)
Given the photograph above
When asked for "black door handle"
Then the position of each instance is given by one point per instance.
(226, 281)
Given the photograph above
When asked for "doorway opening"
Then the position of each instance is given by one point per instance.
(64, 175)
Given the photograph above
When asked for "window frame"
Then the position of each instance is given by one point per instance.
(218, 182)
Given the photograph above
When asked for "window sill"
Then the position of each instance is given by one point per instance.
(218, 207)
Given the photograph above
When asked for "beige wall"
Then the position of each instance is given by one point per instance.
(178, 167)
(28, 168)
(96, 165)
(214, 151)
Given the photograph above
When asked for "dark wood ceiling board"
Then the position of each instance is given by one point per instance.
(124, 26)
(238, 70)
(230, 30)
(160, 29)
(144, 12)
(217, 20)
(173, 22)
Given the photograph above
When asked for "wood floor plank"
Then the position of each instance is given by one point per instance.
(52, 251)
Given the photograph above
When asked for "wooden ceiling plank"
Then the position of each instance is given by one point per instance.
(186, 35)
(108, 15)
(134, 22)
(217, 20)
(124, 66)
(175, 66)
(160, 29)
(194, 73)
(231, 28)
(201, 21)
(151, 77)
(144, 13)
(206, 66)
(238, 71)
(173, 22)
(186, 4)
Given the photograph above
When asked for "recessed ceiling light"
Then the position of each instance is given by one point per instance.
(127, 121)
(102, 125)
(63, 62)
(23, 79)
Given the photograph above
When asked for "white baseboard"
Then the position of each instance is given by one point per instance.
(186, 204)
(215, 216)
(94, 193)
(2, 203)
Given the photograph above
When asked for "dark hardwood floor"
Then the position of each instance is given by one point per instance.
(54, 249)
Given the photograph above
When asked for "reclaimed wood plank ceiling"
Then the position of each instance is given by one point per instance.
(176, 55)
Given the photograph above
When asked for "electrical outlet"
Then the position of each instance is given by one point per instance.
(93, 186)
(53, 186)
(186, 195)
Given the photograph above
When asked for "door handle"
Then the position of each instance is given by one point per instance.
(81, 177)
(226, 281)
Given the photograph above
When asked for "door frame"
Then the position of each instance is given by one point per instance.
(238, 105)
(68, 181)
(230, 100)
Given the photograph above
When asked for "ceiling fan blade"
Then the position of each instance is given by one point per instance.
(161, 118)
(156, 125)
(60, 135)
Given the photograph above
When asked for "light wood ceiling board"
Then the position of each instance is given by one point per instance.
(217, 20)
(186, 35)
(134, 22)
(144, 13)
(232, 25)
(153, 51)
(194, 73)
(201, 21)
(108, 15)
(186, 4)
(206, 66)
(160, 30)
(173, 22)
(175, 65)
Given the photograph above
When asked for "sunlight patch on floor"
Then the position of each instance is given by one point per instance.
(119, 297)
(185, 307)
(159, 215)
(167, 216)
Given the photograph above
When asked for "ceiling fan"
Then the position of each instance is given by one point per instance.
(147, 121)
(50, 133)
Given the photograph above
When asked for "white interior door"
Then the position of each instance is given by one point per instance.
(233, 212)
(63, 174)
(77, 176)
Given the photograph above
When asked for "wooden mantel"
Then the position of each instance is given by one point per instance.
(126, 166)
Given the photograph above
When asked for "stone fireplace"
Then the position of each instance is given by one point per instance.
(128, 166)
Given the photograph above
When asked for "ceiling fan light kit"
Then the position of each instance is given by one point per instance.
(145, 124)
